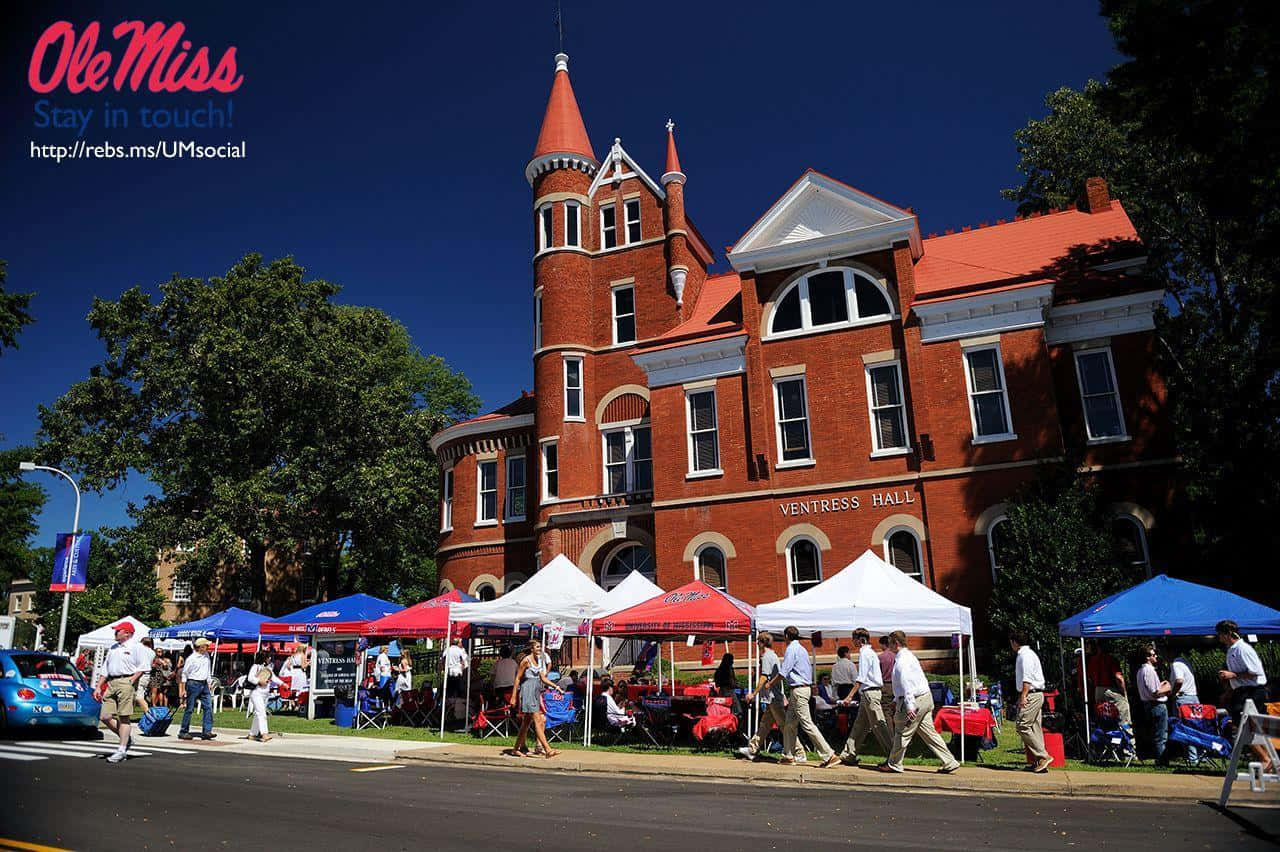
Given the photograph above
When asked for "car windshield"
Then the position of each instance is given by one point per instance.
(45, 666)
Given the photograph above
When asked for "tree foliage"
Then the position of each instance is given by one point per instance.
(1056, 555)
(20, 502)
(270, 418)
(13, 312)
(1184, 130)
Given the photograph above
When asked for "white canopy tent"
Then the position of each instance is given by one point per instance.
(99, 640)
(871, 593)
(559, 593)
(636, 588)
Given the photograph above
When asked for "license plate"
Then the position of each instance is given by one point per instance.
(66, 707)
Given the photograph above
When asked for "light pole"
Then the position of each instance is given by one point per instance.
(75, 530)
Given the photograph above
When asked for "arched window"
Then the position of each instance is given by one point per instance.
(902, 551)
(804, 564)
(1131, 541)
(997, 536)
(486, 592)
(829, 298)
(709, 567)
(624, 560)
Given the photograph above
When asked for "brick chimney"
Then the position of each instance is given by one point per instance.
(1096, 195)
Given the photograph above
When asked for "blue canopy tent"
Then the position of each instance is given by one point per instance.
(1163, 606)
(232, 625)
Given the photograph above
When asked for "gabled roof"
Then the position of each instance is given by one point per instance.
(1024, 252)
(819, 218)
(612, 169)
(563, 131)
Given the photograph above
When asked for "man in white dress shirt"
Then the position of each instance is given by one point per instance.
(1028, 679)
(913, 709)
(116, 687)
(194, 686)
(868, 686)
(1246, 678)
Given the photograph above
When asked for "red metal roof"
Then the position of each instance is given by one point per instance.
(563, 131)
(1025, 251)
(523, 405)
(673, 159)
(713, 315)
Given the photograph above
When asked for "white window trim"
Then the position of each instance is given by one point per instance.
(537, 319)
(716, 470)
(1009, 434)
(724, 560)
(791, 579)
(617, 243)
(573, 208)
(506, 505)
(878, 452)
(919, 551)
(1115, 389)
(542, 452)
(629, 443)
(991, 544)
(448, 486)
(777, 422)
(581, 416)
(851, 305)
(613, 310)
(626, 222)
(546, 230)
(482, 521)
(180, 591)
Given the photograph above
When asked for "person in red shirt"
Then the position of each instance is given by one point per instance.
(1106, 680)
(887, 659)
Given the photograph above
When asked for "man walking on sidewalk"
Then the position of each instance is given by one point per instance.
(193, 687)
(913, 709)
(1028, 678)
(798, 672)
(116, 689)
(868, 687)
(769, 691)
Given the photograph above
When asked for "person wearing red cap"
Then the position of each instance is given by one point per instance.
(116, 688)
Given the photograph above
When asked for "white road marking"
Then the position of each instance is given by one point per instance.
(5, 754)
(379, 768)
(148, 746)
(41, 748)
(78, 748)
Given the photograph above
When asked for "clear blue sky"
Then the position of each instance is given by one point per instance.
(386, 148)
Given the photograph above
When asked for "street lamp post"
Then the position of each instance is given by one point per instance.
(75, 530)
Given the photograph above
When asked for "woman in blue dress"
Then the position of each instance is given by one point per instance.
(532, 680)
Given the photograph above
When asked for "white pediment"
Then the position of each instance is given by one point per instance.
(820, 218)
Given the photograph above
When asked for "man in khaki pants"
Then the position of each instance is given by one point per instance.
(913, 713)
(769, 691)
(798, 673)
(868, 686)
(1028, 677)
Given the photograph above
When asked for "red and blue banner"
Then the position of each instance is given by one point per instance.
(70, 562)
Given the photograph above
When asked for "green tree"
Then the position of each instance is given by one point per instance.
(121, 581)
(1056, 555)
(271, 419)
(20, 502)
(1184, 130)
(13, 312)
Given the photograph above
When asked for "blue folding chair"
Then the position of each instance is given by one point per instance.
(562, 715)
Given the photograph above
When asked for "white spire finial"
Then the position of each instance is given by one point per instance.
(562, 62)
(671, 125)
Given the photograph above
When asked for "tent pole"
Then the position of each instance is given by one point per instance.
(973, 671)
(591, 666)
(471, 648)
(311, 694)
(1084, 681)
(671, 646)
(659, 665)
(960, 648)
(444, 681)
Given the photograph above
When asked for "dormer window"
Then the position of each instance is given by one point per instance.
(829, 298)
(633, 220)
(545, 232)
(608, 226)
(572, 224)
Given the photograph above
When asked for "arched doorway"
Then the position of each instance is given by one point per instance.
(624, 559)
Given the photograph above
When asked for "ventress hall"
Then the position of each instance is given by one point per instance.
(850, 384)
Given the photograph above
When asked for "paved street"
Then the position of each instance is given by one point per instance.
(215, 799)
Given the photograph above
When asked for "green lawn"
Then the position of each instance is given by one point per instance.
(1008, 755)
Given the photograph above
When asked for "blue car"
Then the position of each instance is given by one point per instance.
(39, 690)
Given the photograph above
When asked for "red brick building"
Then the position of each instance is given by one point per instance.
(851, 384)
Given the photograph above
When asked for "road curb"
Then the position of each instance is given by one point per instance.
(919, 782)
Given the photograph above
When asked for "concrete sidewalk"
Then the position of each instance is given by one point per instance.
(350, 749)
(972, 778)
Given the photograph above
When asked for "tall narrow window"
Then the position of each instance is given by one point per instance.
(641, 459)
(624, 314)
(709, 567)
(615, 462)
(550, 470)
(1131, 541)
(181, 591)
(573, 388)
(792, 411)
(572, 223)
(486, 492)
(633, 220)
(704, 441)
(997, 540)
(903, 553)
(888, 413)
(988, 397)
(515, 503)
(537, 320)
(544, 226)
(446, 501)
(804, 565)
(609, 226)
(628, 460)
(1098, 395)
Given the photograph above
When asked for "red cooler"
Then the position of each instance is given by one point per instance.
(1057, 750)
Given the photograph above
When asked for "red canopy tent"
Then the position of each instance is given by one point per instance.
(426, 619)
(693, 609)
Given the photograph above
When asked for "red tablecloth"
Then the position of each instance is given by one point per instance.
(977, 721)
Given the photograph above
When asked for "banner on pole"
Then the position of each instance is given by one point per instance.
(70, 562)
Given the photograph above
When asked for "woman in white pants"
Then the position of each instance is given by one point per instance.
(260, 680)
